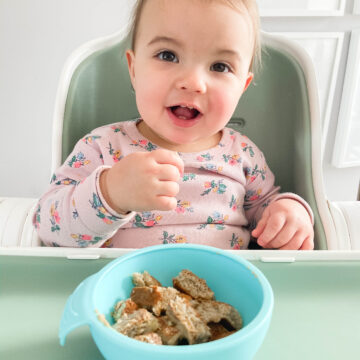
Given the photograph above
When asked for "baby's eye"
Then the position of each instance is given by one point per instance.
(167, 56)
(220, 67)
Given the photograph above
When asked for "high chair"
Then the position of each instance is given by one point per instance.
(316, 292)
(279, 112)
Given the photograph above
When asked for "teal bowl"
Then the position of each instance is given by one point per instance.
(233, 280)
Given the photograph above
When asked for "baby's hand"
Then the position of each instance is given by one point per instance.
(143, 181)
(285, 225)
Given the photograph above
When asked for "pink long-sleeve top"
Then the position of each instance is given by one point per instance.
(223, 193)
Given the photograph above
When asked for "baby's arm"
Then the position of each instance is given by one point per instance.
(284, 221)
(88, 202)
(73, 212)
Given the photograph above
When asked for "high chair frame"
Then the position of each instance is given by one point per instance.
(42, 278)
(314, 193)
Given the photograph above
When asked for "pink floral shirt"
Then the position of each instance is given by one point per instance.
(223, 192)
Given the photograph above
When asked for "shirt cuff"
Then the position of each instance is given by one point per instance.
(92, 208)
(108, 208)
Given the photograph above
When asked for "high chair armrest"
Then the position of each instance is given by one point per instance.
(346, 217)
(16, 227)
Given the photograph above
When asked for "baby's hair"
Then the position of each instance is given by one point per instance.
(250, 6)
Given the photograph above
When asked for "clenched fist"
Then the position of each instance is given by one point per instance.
(143, 181)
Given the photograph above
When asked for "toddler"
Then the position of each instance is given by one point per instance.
(177, 174)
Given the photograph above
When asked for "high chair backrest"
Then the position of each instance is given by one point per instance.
(279, 112)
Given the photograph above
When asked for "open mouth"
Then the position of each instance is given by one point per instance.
(184, 112)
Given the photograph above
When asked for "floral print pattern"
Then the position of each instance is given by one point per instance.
(116, 154)
(118, 128)
(189, 176)
(78, 160)
(235, 203)
(54, 217)
(84, 240)
(214, 186)
(211, 167)
(75, 213)
(147, 145)
(252, 174)
(146, 220)
(66, 181)
(102, 213)
(217, 221)
(90, 139)
(249, 148)
(251, 195)
(236, 242)
(183, 206)
(204, 157)
(232, 159)
(173, 238)
(222, 191)
(37, 219)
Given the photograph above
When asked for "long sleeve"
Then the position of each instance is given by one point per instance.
(260, 187)
(223, 193)
(73, 212)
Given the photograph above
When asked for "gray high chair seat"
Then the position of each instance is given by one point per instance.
(279, 112)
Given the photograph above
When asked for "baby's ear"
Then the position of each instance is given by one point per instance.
(130, 57)
(249, 78)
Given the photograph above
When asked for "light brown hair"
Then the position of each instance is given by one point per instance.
(250, 6)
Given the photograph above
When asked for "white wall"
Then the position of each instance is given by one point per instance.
(340, 184)
(36, 37)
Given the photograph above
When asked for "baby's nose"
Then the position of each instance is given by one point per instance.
(193, 81)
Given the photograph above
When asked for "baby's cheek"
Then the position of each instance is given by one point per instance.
(149, 88)
(146, 97)
(224, 105)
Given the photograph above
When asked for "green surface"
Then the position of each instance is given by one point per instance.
(316, 313)
(274, 113)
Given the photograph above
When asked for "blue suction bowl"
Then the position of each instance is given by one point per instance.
(233, 280)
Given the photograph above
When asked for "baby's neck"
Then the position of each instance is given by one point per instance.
(198, 146)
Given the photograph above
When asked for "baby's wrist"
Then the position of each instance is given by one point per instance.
(104, 188)
(299, 204)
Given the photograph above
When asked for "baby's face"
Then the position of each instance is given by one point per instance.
(189, 69)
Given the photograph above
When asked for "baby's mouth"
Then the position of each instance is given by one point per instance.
(184, 112)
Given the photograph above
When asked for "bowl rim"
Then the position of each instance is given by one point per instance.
(261, 317)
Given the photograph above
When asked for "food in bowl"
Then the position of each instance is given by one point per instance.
(186, 313)
(233, 279)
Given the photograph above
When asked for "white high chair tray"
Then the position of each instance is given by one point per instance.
(316, 313)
